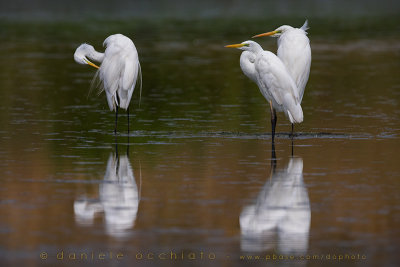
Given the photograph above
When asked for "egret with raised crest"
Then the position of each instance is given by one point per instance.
(295, 52)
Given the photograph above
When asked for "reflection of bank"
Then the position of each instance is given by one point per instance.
(280, 218)
(118, 199)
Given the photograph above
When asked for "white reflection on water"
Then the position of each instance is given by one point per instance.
(118, 199)
(281, 214)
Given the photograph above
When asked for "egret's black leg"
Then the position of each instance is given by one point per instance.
(273, 121)
(292, 134)
(116, 120)
(273, 153)
(127, 147)
(273, 158)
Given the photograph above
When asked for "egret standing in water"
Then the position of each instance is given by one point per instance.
(274, 81)
(295, 52)
(118, 72)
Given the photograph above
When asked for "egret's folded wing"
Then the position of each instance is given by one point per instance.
(275, 77)
(276, 80)
(302, 76)
(110, 72)
(129, 79)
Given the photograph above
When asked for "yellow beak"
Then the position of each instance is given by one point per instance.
(265, 34)
(235, 45)
(91, 64)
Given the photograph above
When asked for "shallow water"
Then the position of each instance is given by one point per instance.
(196, 175)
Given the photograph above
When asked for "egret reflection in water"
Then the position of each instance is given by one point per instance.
(280, 218)
(118, 198)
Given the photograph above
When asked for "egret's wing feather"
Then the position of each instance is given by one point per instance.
(295, 52)
(129, 79)
(110, 72)
(129, 74)
(304, 73)
(119, 70)
(276, 80)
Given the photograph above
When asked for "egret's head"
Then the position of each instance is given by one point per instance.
(246, 46)
(276, 33)
(80, 55)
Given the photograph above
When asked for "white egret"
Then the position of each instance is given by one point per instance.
(274, 81)
(118, 72)
(295, 52)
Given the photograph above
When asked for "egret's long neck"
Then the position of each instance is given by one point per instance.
(257, 49)
(247, 60)
(96, 56)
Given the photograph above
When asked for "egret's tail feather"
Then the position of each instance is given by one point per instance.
(290, 117)
(296, 115)
(111, 101)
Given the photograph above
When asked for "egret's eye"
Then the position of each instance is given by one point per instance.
(246, 44)
(279, 31)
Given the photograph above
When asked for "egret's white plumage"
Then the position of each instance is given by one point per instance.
(277, 86)
(119, 70)
(274, 81)
(295, 52)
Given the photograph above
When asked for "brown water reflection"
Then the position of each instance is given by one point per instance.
(192, 199)
(199, 157)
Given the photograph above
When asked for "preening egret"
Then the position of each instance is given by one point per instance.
(274, 81)
(119, 70)
(295, 52)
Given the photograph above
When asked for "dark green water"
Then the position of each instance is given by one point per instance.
(199, 153)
